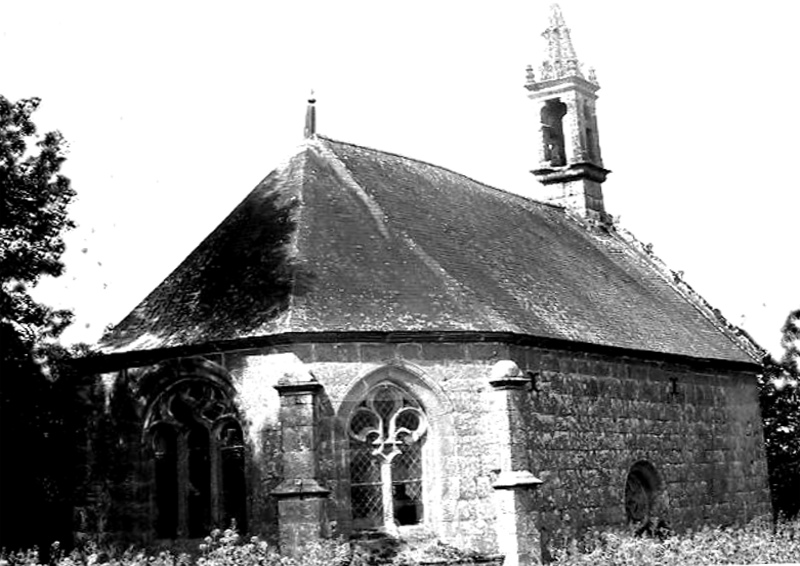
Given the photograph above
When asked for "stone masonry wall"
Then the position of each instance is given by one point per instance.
(589, 418)
(460, 460)
(586, 419)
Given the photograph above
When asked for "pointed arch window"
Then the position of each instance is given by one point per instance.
(387, 432)
(198, 448)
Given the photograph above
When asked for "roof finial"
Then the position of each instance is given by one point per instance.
(311, 117)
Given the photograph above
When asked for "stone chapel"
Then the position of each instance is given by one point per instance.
(369, 342)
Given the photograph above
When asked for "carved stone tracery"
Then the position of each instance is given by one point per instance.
(198, 446)
(386, 432)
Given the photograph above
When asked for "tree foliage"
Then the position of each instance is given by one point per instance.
(34, 197)
(37, 416)
(790, 340)
(780, 411)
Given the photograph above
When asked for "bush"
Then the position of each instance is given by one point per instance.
(224, 548)
(220, 548)
(758, 543)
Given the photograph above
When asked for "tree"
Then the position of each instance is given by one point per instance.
(34, 443)
(33, 216)
(790, 341)
(780, 411)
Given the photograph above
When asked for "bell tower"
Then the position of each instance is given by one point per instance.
(570, 167)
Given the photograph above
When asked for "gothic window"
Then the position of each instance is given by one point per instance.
(198, 448)
(552, 116)
(387, 433)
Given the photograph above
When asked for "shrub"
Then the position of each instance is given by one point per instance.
(757, 543)
(220, 548)
(225, 548)
(413, 549)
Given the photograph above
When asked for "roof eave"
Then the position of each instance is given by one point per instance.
(120, 360)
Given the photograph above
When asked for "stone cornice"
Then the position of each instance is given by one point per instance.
(117, 361)
(571, 172)
(299, 488)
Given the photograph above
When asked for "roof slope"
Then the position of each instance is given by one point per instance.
(346, 238)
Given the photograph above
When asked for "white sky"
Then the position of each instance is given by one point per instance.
(175, 110)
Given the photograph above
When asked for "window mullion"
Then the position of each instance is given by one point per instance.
(216, 480)
(183, 483)
(386, 493)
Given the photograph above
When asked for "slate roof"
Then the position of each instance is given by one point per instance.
(343, 238)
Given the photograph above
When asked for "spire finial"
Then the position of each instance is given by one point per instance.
(311, 117)
(561, 60)
(556, 17)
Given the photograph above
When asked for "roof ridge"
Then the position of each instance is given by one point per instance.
(294, 247)
(452, 283)
(346, 176)
(738, 336)
(448, 170)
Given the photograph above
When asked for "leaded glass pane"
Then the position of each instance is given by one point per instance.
(232, 468)
(166, 474)
(199, 488)
(365, 484)
(408, 419)
(386, 431)
(407, 485)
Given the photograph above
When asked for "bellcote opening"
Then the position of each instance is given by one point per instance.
(552, 116)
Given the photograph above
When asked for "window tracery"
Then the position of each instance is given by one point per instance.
(387, 431)
(198, 448)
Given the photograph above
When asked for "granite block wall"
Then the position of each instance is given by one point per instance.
(589, 419)
(580, 425)
(460, 457)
